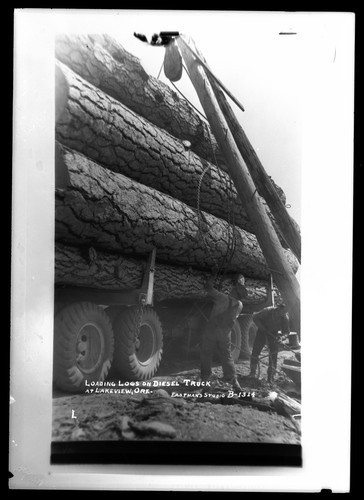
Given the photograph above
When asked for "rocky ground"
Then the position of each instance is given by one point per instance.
(183, 411)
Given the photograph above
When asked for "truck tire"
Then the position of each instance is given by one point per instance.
(137, 358)
(235, 341)
(83, 346)
(248, 331)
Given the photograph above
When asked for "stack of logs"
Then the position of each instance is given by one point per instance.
(127, 181)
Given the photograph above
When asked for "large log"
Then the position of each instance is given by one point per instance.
(102, 61)
(106, 271)
(100, 127)
(112, 212)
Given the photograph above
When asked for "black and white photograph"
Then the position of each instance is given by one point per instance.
(171, 216)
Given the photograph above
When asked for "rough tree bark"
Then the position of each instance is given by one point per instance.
(106, 64)
(106, 131)
(112, 212)
(106, 271)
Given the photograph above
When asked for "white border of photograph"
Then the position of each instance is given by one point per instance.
(325, 276)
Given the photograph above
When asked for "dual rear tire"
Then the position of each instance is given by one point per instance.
(87, 342)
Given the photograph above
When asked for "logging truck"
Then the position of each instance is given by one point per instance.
(120, 333)
(141, 219)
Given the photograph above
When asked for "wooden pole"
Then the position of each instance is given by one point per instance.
(284, 277)
(216, 80)
(264, 185)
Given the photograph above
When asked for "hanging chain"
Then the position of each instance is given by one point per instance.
(199, 216)
(231, 243)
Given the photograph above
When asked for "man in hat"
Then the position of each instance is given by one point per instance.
(270, 321)
(225, 311)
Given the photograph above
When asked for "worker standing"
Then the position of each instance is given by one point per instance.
(217, 333)
(270, 321)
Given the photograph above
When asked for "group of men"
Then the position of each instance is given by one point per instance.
(217, 333)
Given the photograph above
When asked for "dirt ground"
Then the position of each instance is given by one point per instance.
(158, 410)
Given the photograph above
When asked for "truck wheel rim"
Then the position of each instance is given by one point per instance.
(89, 348)
(145, 346)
